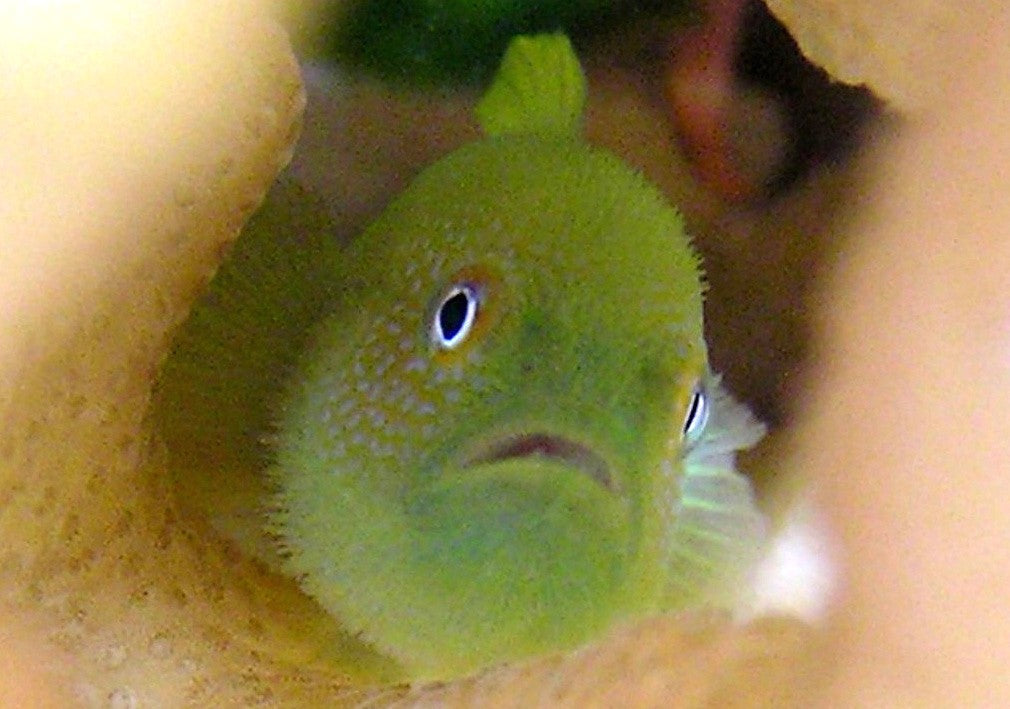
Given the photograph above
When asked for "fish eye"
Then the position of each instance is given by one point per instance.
(455, 316)
(697, 415)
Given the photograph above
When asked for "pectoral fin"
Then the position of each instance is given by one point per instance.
(720, 532)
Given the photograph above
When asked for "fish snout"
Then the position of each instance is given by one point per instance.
(550, 447)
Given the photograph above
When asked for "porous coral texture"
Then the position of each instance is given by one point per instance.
(137, 142)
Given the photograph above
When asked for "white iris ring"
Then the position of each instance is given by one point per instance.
(696, 416)
(455, 317)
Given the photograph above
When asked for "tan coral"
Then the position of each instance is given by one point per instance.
(137, 142)
(906, 51)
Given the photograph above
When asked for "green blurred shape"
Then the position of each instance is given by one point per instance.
(461, 41)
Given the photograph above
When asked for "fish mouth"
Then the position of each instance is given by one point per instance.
(547, 446)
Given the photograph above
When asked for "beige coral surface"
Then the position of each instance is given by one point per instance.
(137, 140)
(907, 51)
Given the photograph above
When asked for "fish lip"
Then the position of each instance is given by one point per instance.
(550, 447)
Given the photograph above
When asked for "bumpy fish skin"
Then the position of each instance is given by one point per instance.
(477, 409)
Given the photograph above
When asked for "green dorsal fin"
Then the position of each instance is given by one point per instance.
(539, 88)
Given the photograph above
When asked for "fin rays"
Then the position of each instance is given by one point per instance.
(719, 533)
(539, 88)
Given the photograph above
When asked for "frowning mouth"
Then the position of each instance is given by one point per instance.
(543, 445)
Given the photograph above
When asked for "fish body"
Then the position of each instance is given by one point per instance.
(490, 426)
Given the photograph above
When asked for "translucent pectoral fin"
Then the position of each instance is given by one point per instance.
(720, 533)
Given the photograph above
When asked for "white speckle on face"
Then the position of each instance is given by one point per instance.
(337, 448)
(436, 269)
(336, 392)
(666, 468)
(394, 393)
(416, 364)
(409, 404)
(363, 387)
(345, 408)
(384, 364)
(426, 408)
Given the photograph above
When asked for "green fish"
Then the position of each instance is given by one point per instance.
(485, 428)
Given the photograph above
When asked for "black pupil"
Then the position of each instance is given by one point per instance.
(692, 412)
(452, 315)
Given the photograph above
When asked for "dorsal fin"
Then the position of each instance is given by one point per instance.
(539, 88)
